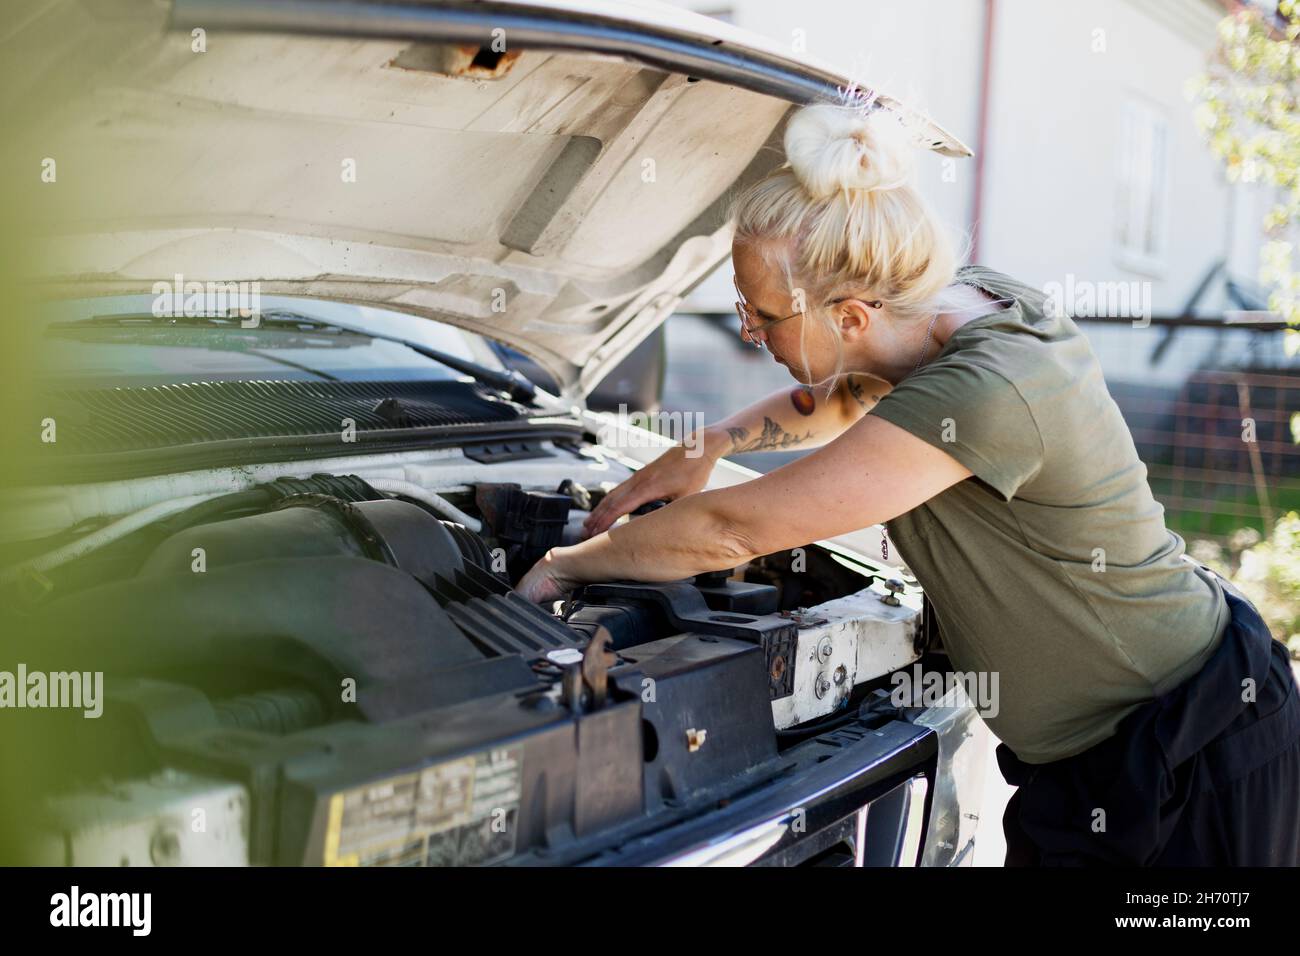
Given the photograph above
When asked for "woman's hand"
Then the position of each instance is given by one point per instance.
(787, 419)
(544, 581)
(818, 496)
(672, 475)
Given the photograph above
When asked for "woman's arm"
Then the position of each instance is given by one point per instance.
(796, 417)
(873, 472)
(789, 419)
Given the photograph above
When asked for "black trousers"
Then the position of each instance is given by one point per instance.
(1207, 775)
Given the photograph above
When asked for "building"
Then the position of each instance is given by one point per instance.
(1088, 161)
(1090, 173)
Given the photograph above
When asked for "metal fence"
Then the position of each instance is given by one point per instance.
(1209, 403)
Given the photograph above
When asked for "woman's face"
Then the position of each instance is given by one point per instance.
(802, 344)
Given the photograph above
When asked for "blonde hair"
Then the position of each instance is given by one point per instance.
(842, 216)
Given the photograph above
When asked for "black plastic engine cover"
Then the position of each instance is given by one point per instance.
(526, 524)
(743, 597)
(704, 715)
(507, 778)
(677, 607)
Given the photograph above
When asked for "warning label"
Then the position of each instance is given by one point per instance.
(458, 813)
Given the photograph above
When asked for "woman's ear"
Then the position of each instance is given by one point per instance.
(855, 318)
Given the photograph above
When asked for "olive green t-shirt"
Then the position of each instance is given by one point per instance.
(1051, 567)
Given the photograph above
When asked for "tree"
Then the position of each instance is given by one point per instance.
(1246, 108)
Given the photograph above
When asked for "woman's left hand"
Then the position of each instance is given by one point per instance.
(544, 583)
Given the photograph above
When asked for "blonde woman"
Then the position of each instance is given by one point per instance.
(950, 403)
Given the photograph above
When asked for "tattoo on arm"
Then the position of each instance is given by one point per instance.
(803, 400)
(774, 437)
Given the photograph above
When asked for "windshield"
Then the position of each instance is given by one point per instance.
(117, 341)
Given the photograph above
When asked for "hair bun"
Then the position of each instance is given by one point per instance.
(831, 148)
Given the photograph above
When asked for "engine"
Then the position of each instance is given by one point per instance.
(320, 673)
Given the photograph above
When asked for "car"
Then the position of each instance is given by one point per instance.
(261, 537)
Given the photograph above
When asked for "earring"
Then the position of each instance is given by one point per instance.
(875, 305)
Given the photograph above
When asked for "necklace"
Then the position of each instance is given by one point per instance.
(925, 346)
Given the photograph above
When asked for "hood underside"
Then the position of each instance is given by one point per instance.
(558, 184)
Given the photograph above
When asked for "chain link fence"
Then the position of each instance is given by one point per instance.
(1209, 403)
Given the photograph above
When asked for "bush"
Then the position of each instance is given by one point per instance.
(1266, 571)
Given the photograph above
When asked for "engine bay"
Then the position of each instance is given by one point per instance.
(329, 673)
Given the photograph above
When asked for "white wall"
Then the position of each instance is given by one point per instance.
(1052, 157)
(1053, 153)
(923, 52)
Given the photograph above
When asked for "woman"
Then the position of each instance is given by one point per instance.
(953, 405)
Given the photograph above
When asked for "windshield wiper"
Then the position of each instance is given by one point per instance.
(510, 381)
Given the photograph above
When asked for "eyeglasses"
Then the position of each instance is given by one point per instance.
(755, 331)
(751, 329)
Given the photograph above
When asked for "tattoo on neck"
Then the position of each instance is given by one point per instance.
(859, 393)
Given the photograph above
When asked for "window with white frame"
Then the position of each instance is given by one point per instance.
(1142, 187)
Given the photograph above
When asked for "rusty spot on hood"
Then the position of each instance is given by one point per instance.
(456, 59)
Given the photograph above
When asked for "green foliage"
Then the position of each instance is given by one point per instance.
(1245, 106)
(1267, 571)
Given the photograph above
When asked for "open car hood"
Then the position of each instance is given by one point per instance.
(561, 195)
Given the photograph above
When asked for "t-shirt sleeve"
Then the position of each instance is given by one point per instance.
(975, 415)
